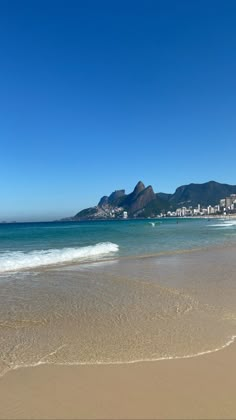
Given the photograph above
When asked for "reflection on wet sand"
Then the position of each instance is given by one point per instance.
(119, 312)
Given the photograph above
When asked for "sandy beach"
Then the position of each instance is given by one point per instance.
(118, 210)
(68, 328)
(195, 388)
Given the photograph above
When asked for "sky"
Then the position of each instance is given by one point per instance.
(97, 95)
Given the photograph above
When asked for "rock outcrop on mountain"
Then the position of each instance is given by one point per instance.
(144, 202)
(114, 198)
(141, 201)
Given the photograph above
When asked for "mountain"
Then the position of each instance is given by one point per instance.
(138, 199)
(141, 202)
(209, 193)
(112, 199)
(144, 202)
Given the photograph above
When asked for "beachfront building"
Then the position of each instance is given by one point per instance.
(178, 212)
(226, 205)
(210, 210)
(222, 203)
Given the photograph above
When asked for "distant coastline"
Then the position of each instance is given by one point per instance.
(208, 199)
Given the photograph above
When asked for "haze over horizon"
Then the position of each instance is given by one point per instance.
(96, 96)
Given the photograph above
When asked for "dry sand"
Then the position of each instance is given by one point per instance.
(200, 387)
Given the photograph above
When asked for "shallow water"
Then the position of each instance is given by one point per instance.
(126, 310)
(35, 245)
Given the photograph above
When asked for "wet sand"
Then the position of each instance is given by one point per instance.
(198, 292)
(196, 388)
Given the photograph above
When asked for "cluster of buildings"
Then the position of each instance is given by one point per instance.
(226, 206)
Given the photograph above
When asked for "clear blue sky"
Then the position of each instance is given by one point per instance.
(97, 95)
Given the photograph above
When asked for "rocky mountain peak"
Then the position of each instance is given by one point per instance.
(103, 201)
(143, 202)
(149, 189)
(138, 188)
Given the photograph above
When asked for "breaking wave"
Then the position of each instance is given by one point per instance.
(224, 224)
(19, 260)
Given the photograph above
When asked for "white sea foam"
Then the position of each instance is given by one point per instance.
(42, 361)
(18, 260)
(226, 224)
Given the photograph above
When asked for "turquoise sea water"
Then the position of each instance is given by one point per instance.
(115, 291)
(29, 245)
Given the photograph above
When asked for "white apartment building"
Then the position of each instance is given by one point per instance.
(125, 214)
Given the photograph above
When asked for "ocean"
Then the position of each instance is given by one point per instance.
(115, 291)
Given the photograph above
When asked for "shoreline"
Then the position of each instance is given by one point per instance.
(184, 280)
(197, 386)
(194, 388)
(69, 220)
(228, 343)
(71, 265)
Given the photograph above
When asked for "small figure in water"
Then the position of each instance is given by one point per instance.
(153, 224)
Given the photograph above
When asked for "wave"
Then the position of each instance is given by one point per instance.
(228, 343)
(226, 224)
(19, 260)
